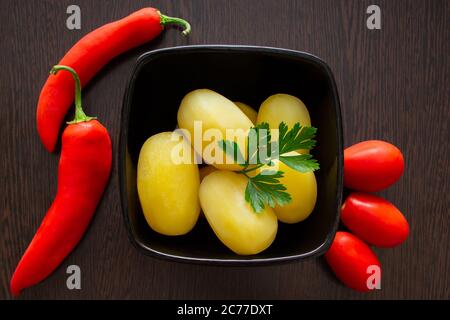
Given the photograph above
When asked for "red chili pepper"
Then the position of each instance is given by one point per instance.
(83, 172)
(88, 56)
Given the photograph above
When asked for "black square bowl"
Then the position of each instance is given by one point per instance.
(160, 80)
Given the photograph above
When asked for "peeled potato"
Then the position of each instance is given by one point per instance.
(283, 108)
(168, 189)
(249, 111)
(303, 190)
(222, 198)
(216, 114)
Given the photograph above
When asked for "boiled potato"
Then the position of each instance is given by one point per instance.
(205, 171)
(168, 188)
(249, 111)
(216, 114)
(303, 190)
(232, 218)
(283, 108)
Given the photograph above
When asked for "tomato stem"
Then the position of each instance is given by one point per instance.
(80, 116)
(178, 21)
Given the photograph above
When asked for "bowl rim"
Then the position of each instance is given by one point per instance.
(248, 261)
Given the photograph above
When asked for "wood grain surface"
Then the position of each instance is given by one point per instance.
(393, 85)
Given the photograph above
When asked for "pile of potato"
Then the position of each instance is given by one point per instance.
(172, 195)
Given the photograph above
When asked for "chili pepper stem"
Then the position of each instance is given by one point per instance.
(80, 116)
(178, 21)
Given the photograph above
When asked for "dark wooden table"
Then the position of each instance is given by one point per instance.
(393, 85)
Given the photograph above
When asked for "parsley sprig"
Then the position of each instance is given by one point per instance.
(265, 188)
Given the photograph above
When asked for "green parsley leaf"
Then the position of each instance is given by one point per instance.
(297, 138)
(265, 188)
(302, 162)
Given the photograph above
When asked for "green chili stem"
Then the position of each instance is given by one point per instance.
(80, 116)
(178, 21)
